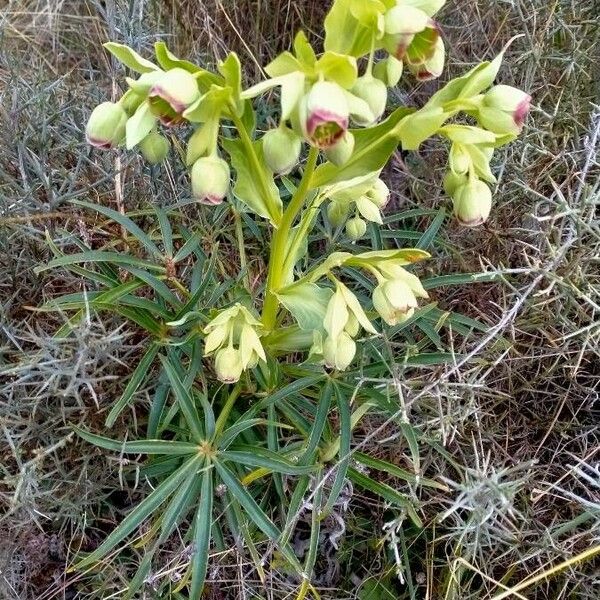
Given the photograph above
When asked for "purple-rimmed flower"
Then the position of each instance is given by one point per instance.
(325, 115)
(210, 180)
(172, 94)
(472, 202)
(504, 109)
(106, 126)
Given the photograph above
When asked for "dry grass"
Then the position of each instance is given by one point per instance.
(519, 419)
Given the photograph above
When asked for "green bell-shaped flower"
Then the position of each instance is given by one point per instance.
(172, 94)
(340, 153)
(473, 202)
(504, 110)
(379, 194)
(395, 301)
(228, 365)
(210, 180)
(106, 126)
(356, 228)
(281, 149)
(374, 93)
(155, 147)
(324, 114)
(339, 352)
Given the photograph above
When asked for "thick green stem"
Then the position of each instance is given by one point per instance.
(256, 166)
(226, 410)
(279, 245)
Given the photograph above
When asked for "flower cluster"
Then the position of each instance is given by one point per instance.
(332, 126)
(233, 336)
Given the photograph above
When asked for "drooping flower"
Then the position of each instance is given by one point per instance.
(210, 180)
(504, 109)
(281, 149)
(172, 94)
(394, 300)
(155, 147)
(374, 93)
(106, 126)
(472, 202)
(325, 114)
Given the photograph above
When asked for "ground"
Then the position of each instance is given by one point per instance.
(516, 417)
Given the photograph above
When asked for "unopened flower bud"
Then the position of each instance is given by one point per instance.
(379, 194)
(131, 101)
(374, 93)
(395, 301)
(473, 203)
(325, 114)
(210, 180)
(155, 147)
(340, 153)
(228, 365)
(356, 228)
(337, 212)
(389, 71)
(504, 109)
(281, 149)
(106, 125)
(174, 92)
(339, 352)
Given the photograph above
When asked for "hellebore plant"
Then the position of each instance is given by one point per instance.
(332, 142)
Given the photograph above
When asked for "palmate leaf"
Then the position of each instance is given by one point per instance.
(143, 510)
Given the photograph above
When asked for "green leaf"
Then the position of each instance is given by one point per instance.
(345, 417)
(167, 60)
(414, 129)
(184, 399)
(130, 58)
(340, 68)
(231, 433)
(98, 256)
(262, 458)
(126, 223)
(139, 126)
(319, 423)
(140, 374)
(372, 150)
(460, 279)
(142, 511)
(231, 69)
(386, 492)
(248, 187)
(429, 236)
(248, 503)
(395, 471)
(191, 244)
(202, 535)
(139, 446)
(307, 303)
